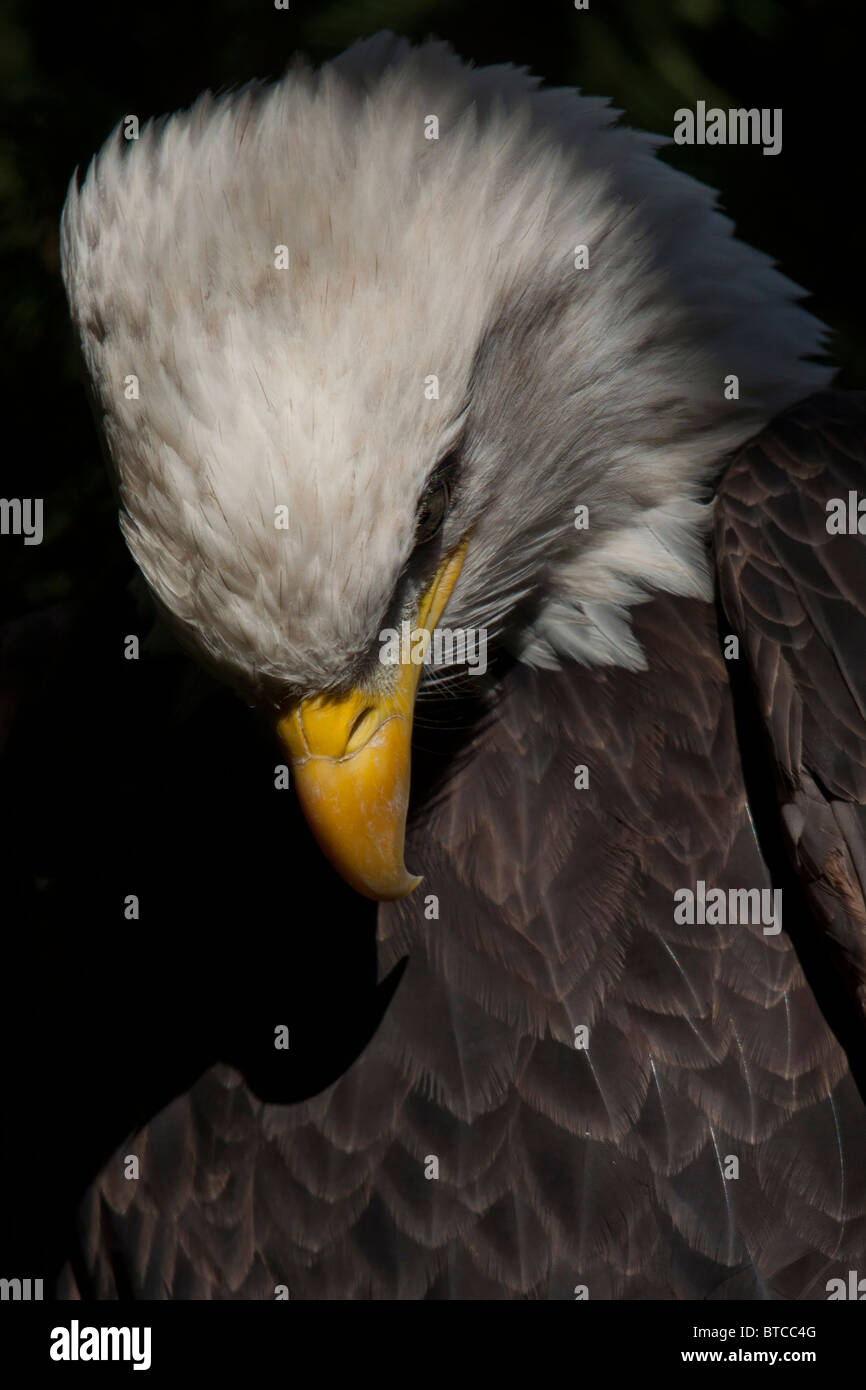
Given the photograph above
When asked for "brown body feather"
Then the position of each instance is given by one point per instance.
(603, 1167)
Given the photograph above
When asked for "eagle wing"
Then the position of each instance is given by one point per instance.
(795, 593)
(571, 1090)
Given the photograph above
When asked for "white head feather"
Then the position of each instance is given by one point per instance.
(409, 257)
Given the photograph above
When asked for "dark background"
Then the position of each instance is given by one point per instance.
(143, 777)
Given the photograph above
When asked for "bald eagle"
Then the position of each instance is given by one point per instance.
(405, 346)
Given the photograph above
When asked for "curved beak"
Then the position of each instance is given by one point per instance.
(351, 760)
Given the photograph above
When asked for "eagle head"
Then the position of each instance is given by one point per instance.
(366, 343)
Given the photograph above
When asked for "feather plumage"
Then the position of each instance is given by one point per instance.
(608, 1165)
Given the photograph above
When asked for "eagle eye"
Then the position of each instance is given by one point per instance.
(432, 510)
(435, 500)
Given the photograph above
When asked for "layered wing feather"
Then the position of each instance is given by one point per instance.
(707, 1142)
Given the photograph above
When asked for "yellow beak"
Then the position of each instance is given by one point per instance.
(351, 759)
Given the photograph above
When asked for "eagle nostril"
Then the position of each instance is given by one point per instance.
(360, 730)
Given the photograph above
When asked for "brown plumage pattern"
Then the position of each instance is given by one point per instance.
(605, 1167)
